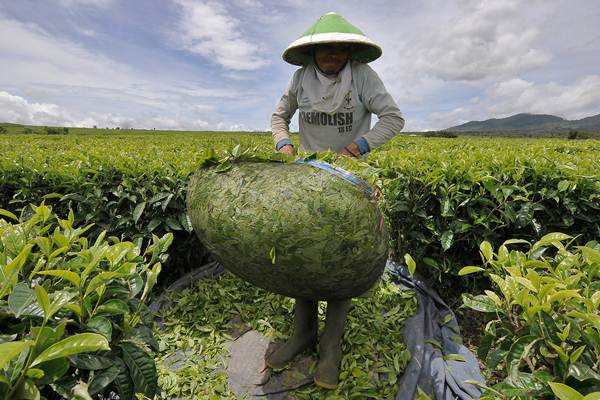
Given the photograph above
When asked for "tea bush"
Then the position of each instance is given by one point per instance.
(441, 196)
(544, 314)
(49, 130)
(73, 319)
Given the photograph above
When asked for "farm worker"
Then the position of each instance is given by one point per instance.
(336, 92)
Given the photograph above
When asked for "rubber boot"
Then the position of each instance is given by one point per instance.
(303, 337)
(330, 344)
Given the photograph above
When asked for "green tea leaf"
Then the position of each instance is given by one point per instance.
(10, 350)
(495, 298)
(141, 368)
(469, 270)
(479, 303)
(558, 350)
(485, 345)
(525, 283)
(137, 212)
(91, 361)
(520, 348)
(185, 222)
(564, 392)
(101, 325)
(79, 343)
(145, 334)
(486, 250)
(410, 263)
(100, 280)
(455, 357)
(136, 284)
(47, 336)
(556, 236)
(123, 380)
(34, 373)
(447, 239)
(102, 380)
(592, 255)
(8, 214)
(27, 390)
(64, 274)
(582, 372)
(151, 277)
(53, 370)
(563, 185)
(576, 354)
(17, 263)
(21, 298)
(564, 294)
(43, 301)
(113, 307)
(515, 241)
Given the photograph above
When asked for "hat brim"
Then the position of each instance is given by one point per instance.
(362, 48)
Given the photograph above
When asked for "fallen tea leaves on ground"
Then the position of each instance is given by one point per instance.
(193, 344)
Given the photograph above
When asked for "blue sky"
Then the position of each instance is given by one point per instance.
(208, 65)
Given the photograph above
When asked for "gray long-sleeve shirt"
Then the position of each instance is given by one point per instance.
(351, 122)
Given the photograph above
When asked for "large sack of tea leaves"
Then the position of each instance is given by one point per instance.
(296, 229)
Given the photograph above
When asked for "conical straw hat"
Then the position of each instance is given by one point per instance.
(332, 28)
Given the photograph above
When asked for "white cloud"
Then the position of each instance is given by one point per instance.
(94, 3)
(444, 62)
(33, 57)
(30, 54)
(249, 3)
(577, 100)
(449, 118)
(87, 32)
(485, 39)
(18, 110)
(56, 74)
(207, 29)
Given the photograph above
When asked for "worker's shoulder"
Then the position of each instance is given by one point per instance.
(298, 74)
(364, 76)
(360, 69)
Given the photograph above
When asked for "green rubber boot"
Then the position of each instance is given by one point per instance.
(303, 337)
(330, 345)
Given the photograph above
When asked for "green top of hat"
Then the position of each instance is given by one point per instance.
(332, 28)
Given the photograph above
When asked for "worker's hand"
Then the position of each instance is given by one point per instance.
(288, 149)
(351, 150)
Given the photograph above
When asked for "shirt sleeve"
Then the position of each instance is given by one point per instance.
(285, 110)
(378, 101)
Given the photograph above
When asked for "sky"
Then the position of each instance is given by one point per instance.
(216, 65)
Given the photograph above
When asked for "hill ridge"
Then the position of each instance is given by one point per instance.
(529, 122)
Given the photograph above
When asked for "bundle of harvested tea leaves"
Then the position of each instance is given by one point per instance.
(301, 230)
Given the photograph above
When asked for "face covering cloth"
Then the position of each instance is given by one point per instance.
(326, 92)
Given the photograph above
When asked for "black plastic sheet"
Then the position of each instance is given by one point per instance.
(430, 335)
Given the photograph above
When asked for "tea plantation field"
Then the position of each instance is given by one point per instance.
(522, 215)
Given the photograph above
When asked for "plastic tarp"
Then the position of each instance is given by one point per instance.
(431, 335)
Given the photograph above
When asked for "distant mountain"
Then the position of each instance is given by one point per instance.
(529, 122)
(591, 123)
